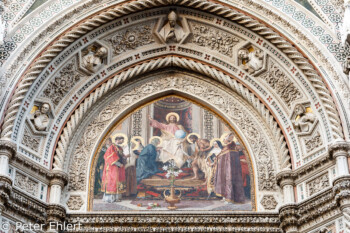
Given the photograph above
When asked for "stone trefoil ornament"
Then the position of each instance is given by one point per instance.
(172, 30)
(41, 118)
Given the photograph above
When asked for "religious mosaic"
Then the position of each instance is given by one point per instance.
(161, 157)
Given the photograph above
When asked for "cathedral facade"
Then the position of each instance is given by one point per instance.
(175, 116)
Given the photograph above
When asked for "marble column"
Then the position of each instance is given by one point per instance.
(7, 151)
(341, 184)
(56, 211)
(288, 211)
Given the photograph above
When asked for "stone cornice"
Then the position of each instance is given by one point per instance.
(23, 204)
(302, 171)
(184, 222)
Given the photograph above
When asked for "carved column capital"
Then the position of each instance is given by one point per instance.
(288, 215)
(341, 191)
(5, 191)
(56, 215)
(58, 177)
(285, 178)
(7, 148)
(340, 148)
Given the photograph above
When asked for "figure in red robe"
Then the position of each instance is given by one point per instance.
(113, 178)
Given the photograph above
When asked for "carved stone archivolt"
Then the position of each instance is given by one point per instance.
(110, 14)
(230, 107)
(155, 64)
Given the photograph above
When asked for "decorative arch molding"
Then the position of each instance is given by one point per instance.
(64, 139)
(223, 69)
(121, 101)
(41, 63)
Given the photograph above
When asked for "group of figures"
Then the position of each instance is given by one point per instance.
(219, 163)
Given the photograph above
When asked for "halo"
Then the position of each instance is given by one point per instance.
(172, 114)
(188, 137)
(120, 135)
(135, 142)
(223, 136)
(160, 140)
(215, 139)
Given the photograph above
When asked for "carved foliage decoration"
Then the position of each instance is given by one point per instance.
(269, 202)
(208, 93)
(131, 38)
(277, 79)
(214, 39)
(313, 142)
(75, 202)
(26, 184)
(318, 184)
(30, 141)
(62, 83)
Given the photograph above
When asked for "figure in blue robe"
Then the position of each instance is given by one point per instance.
(146, 163)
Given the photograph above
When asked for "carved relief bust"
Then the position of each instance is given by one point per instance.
(41, 117)
(304, 119)
(172, 29)
(93, 60)
(251, 61)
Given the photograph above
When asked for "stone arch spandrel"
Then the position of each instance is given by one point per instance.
(255, 135)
